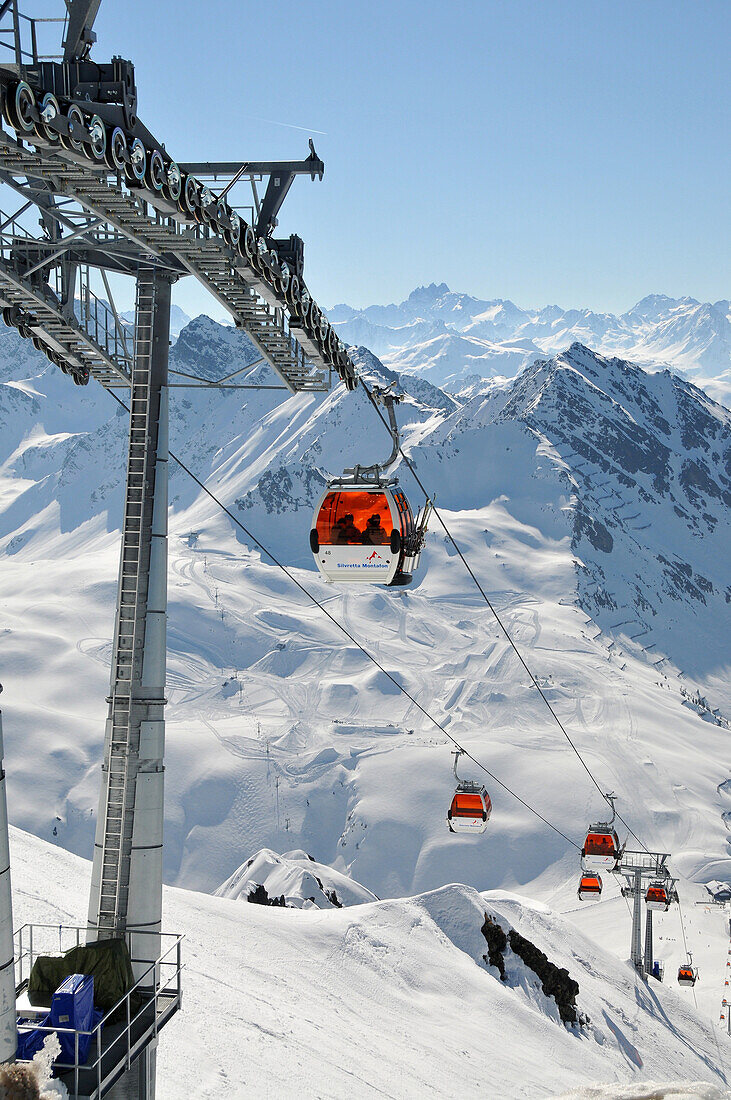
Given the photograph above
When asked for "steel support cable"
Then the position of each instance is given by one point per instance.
(357, 644)
(512, 644)
(500, 623)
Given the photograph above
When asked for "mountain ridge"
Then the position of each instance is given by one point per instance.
(689, 336)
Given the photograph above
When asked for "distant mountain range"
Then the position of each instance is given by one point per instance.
(451, 338)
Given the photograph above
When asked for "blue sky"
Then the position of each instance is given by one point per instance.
(551, 151)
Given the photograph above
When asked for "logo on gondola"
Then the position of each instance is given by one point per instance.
(373, 556)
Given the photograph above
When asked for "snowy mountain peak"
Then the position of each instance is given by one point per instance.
(294, 879)
(428, 294)
(654, 306)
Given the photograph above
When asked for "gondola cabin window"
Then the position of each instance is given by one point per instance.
(360, 518)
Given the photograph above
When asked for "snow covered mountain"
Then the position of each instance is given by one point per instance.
(178, 319)
(295, 880)
(399, 998)
(591, 499)
(448, 337)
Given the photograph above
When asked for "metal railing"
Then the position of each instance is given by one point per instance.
(126, 1028)
(19, 34)
(101, 323)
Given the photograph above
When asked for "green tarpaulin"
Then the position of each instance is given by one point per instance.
(107, 960)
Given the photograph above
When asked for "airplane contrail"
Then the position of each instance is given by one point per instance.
(289, 125)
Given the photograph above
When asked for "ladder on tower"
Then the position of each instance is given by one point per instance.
(123, 760)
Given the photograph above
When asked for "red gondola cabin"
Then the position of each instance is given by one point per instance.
(657, 897)
(590, 887)
(365, 533)
(601, 849)
(687, 976)
(470, 810)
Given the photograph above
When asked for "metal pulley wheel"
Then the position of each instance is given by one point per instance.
(173, 185)
(50, 110)
(98, 134)
(302, 307)
(75, 119)
(273, 268)
(292, 293)
(20, 107)
(233, 232)
(248, 244)
(155, 175)
(203, 212)
(137, 164)
(260, 257)
(117, 155)
(189, 198)
(223, 215)
(313, 318)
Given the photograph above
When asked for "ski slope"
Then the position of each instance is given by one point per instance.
(390, 999)
(282, 736)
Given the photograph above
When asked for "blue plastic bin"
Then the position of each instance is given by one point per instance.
(73, 1006)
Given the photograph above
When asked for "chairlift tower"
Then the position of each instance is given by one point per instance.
(110, 201)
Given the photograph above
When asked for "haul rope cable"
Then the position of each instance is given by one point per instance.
(499, 621)
(512, 644)
(356, 643)
(378, 665)
(685, 948)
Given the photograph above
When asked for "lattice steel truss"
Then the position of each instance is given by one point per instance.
(110, 197)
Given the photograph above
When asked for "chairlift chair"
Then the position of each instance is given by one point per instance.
(471, 806)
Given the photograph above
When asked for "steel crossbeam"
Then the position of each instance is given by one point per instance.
(208, 258)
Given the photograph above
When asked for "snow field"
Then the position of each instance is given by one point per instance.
(387, 999)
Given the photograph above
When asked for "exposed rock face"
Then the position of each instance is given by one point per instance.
(555, 980)
(648, 466)
(497, 941)
(259, 896)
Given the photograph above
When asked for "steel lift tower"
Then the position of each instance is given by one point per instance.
(641, 870)
(109, 200)
(126, 885)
